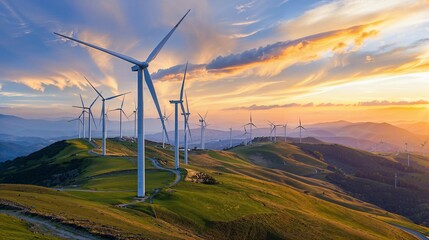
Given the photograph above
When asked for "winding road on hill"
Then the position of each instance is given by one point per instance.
(416, 234)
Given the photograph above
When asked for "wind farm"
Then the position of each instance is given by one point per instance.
(238, 120)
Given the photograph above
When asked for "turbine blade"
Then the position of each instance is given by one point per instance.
(186, 99)
(83, 105)
(109, 98)
(92, 116)
(200, 115)
(125, 114)
(118, 55)
(183, 82)
(123, 99)
(151, 88)
(99, 94)
(90, 106)
(158, 48)
(78, 107)
(101, 115)
(205, 115)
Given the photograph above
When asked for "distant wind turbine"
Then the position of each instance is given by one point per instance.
(140, 67)
(250, 124)
(300, 128)
(408, 154)
(176, 120)
(121, 111)
(230, 137)
(79, 123)
(163, 132)
(83, 114)
(186, 129)
(135, 120)
(203, 125)
(285, 131)
(103, 114)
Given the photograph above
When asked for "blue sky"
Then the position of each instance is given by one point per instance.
(244, 55)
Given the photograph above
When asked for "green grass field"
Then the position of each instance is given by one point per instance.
(253, 199)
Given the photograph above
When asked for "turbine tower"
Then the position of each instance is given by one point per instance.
(103, 114)
(79, 123)
(89, 119)
(300, 128)
(176, 121)
(285, 131)
(185, 130)
(141, 68)
(250, 124)
(121, 110)
(396, 180)
(408, 154)
(83, 113)
(230, 137)
(165, 117)
(203, 125)
(135, 119)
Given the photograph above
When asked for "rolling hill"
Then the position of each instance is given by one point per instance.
(264, 191)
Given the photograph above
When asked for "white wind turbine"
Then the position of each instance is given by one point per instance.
(203, 125)
(186, 114)
(408, 154)
(250, 124)
(285, 131)
(230, 137)
(79, 123)
(121, 111)
(103, 114)
(165, 117)
(176, 120)
(135, 120)
(89, 118)
(82, 113)
(274, 129)
(140, 67)
(300, 128)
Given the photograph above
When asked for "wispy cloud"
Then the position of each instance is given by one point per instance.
(60, 80)
(245, 23)
(255, 107)
(392, 103)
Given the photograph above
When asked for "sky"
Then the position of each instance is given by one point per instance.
(355, 60)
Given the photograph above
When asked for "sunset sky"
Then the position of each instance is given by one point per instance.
(356, 60)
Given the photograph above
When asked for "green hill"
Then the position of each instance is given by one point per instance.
(282, 198)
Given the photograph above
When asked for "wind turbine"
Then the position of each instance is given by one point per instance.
(78, 123)
(285, 131)
(176, 120)
(83, 113)
(103, 113)
(89, 118)
(135, 119)
(250, 124)
(165, 117)
(408, 154)
(300, 128)
(203, 125)
(121, 110)
(186, 128)
(230, 137)
(140, 67)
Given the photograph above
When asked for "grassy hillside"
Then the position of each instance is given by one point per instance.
(250, 201)
(364, 175)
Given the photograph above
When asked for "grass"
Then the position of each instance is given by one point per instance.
(250, 200)
(12, 228)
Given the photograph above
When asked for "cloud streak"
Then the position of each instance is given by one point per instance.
(375, 103)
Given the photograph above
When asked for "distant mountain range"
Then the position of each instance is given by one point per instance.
(19, 136)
